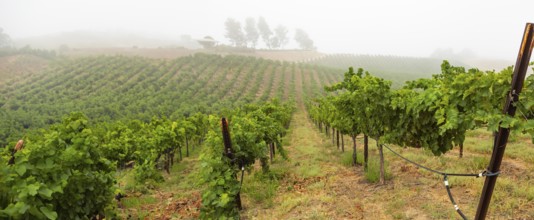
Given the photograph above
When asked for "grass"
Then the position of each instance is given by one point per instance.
(396, 209)
(519, 145)
(182, 182)
(136, 202)
(436, 212)
(261, 188)
(401, 197)
(312, 153)
(309, 171)
(290, 203)
(373, 171)
(346, 158)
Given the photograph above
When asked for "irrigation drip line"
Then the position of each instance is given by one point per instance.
(481, 174)
(242, 172)
(446, 182)
(446, 179)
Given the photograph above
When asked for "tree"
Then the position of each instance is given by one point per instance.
(280, 37)
(5, 40)
(234, 32)
(251, 31)
(265, 31)
(304, 40)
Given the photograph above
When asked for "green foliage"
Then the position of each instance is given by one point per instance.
(363, 106)
(427, 113)
(251, 128)
(146, 173)
(61, 175)
(216, 171)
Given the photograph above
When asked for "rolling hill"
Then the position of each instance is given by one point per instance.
(119, 87)
(395, 68)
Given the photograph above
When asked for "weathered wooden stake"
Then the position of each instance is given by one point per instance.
(186, 146)
(520, 70)
(333, 135)
(365, 151)
(228, 152)
(382, 169)
(461, 149)
(342, 143)
(354, 156)
(337, 141)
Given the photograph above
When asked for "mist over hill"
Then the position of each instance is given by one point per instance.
(105, 39)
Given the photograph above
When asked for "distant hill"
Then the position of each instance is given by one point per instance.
(395, 68)
(103, 39)
(118, 87)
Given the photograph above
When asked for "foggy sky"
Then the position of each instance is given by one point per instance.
(490, 29)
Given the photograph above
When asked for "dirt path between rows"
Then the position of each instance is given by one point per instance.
(317, 185)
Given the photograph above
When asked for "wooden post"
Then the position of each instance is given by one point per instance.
(365, 151)
(18, 147)
(180, 151)
(186, 146)
(461, 149)
(337, 141)
(333, 135)
(354, 156)
(342, 143)
(270, 152)
(501, 139)
(228, 152)
(382, 169)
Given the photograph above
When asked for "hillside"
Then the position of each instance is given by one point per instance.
(174, 52)
(118, 87)
(395, 68)
(20, 66)
(318, 181)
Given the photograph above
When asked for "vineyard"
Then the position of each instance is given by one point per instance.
(115, 88)
(394, 68)
(210, 136)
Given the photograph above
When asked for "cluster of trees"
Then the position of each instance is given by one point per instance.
(255, 131)
(5, 40)
(433, 114)
(249, 35)
(7, 49)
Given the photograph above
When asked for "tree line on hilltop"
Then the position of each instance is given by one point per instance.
(249, 34)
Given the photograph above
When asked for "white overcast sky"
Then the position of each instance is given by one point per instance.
(407, 28)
